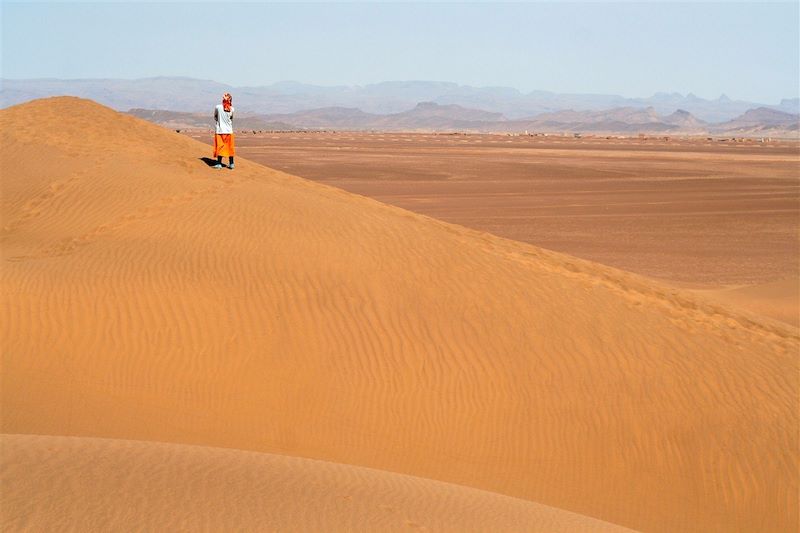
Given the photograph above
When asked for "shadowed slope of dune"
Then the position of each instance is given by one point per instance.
(151, 297)
(59, 483)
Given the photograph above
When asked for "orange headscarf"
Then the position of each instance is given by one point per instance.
(227, 100)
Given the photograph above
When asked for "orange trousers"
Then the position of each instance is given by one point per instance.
(223, 145)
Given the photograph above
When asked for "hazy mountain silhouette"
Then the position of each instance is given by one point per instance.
(428, 116)
(193, 95)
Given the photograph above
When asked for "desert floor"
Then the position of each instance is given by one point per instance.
(720, 217)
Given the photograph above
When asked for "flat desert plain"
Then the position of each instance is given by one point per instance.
(720, 217)
(186, 348)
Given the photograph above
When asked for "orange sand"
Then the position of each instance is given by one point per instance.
(777, 299)
(150, 297)
(148, 486)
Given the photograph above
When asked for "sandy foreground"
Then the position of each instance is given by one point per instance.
(720, 217)
(151, 298)
(121, 485)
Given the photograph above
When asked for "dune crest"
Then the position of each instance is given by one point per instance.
(150, 297)
(150, 486)
(777, 299)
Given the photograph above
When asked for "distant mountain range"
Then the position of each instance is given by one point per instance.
(429, 116)
(418, 105)
(193, 95)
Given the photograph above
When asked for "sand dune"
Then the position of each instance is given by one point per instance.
(777, 299)
(148, 486)
(150, 297)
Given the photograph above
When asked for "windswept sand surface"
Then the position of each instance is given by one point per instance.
(149, 297)
(120, 485)
(693, 212)
(777, 299)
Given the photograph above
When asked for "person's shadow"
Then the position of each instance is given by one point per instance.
(208, 161)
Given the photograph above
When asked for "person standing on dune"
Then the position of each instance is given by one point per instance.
(223, 137)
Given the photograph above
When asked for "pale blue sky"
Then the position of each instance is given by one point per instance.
(745, 50)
